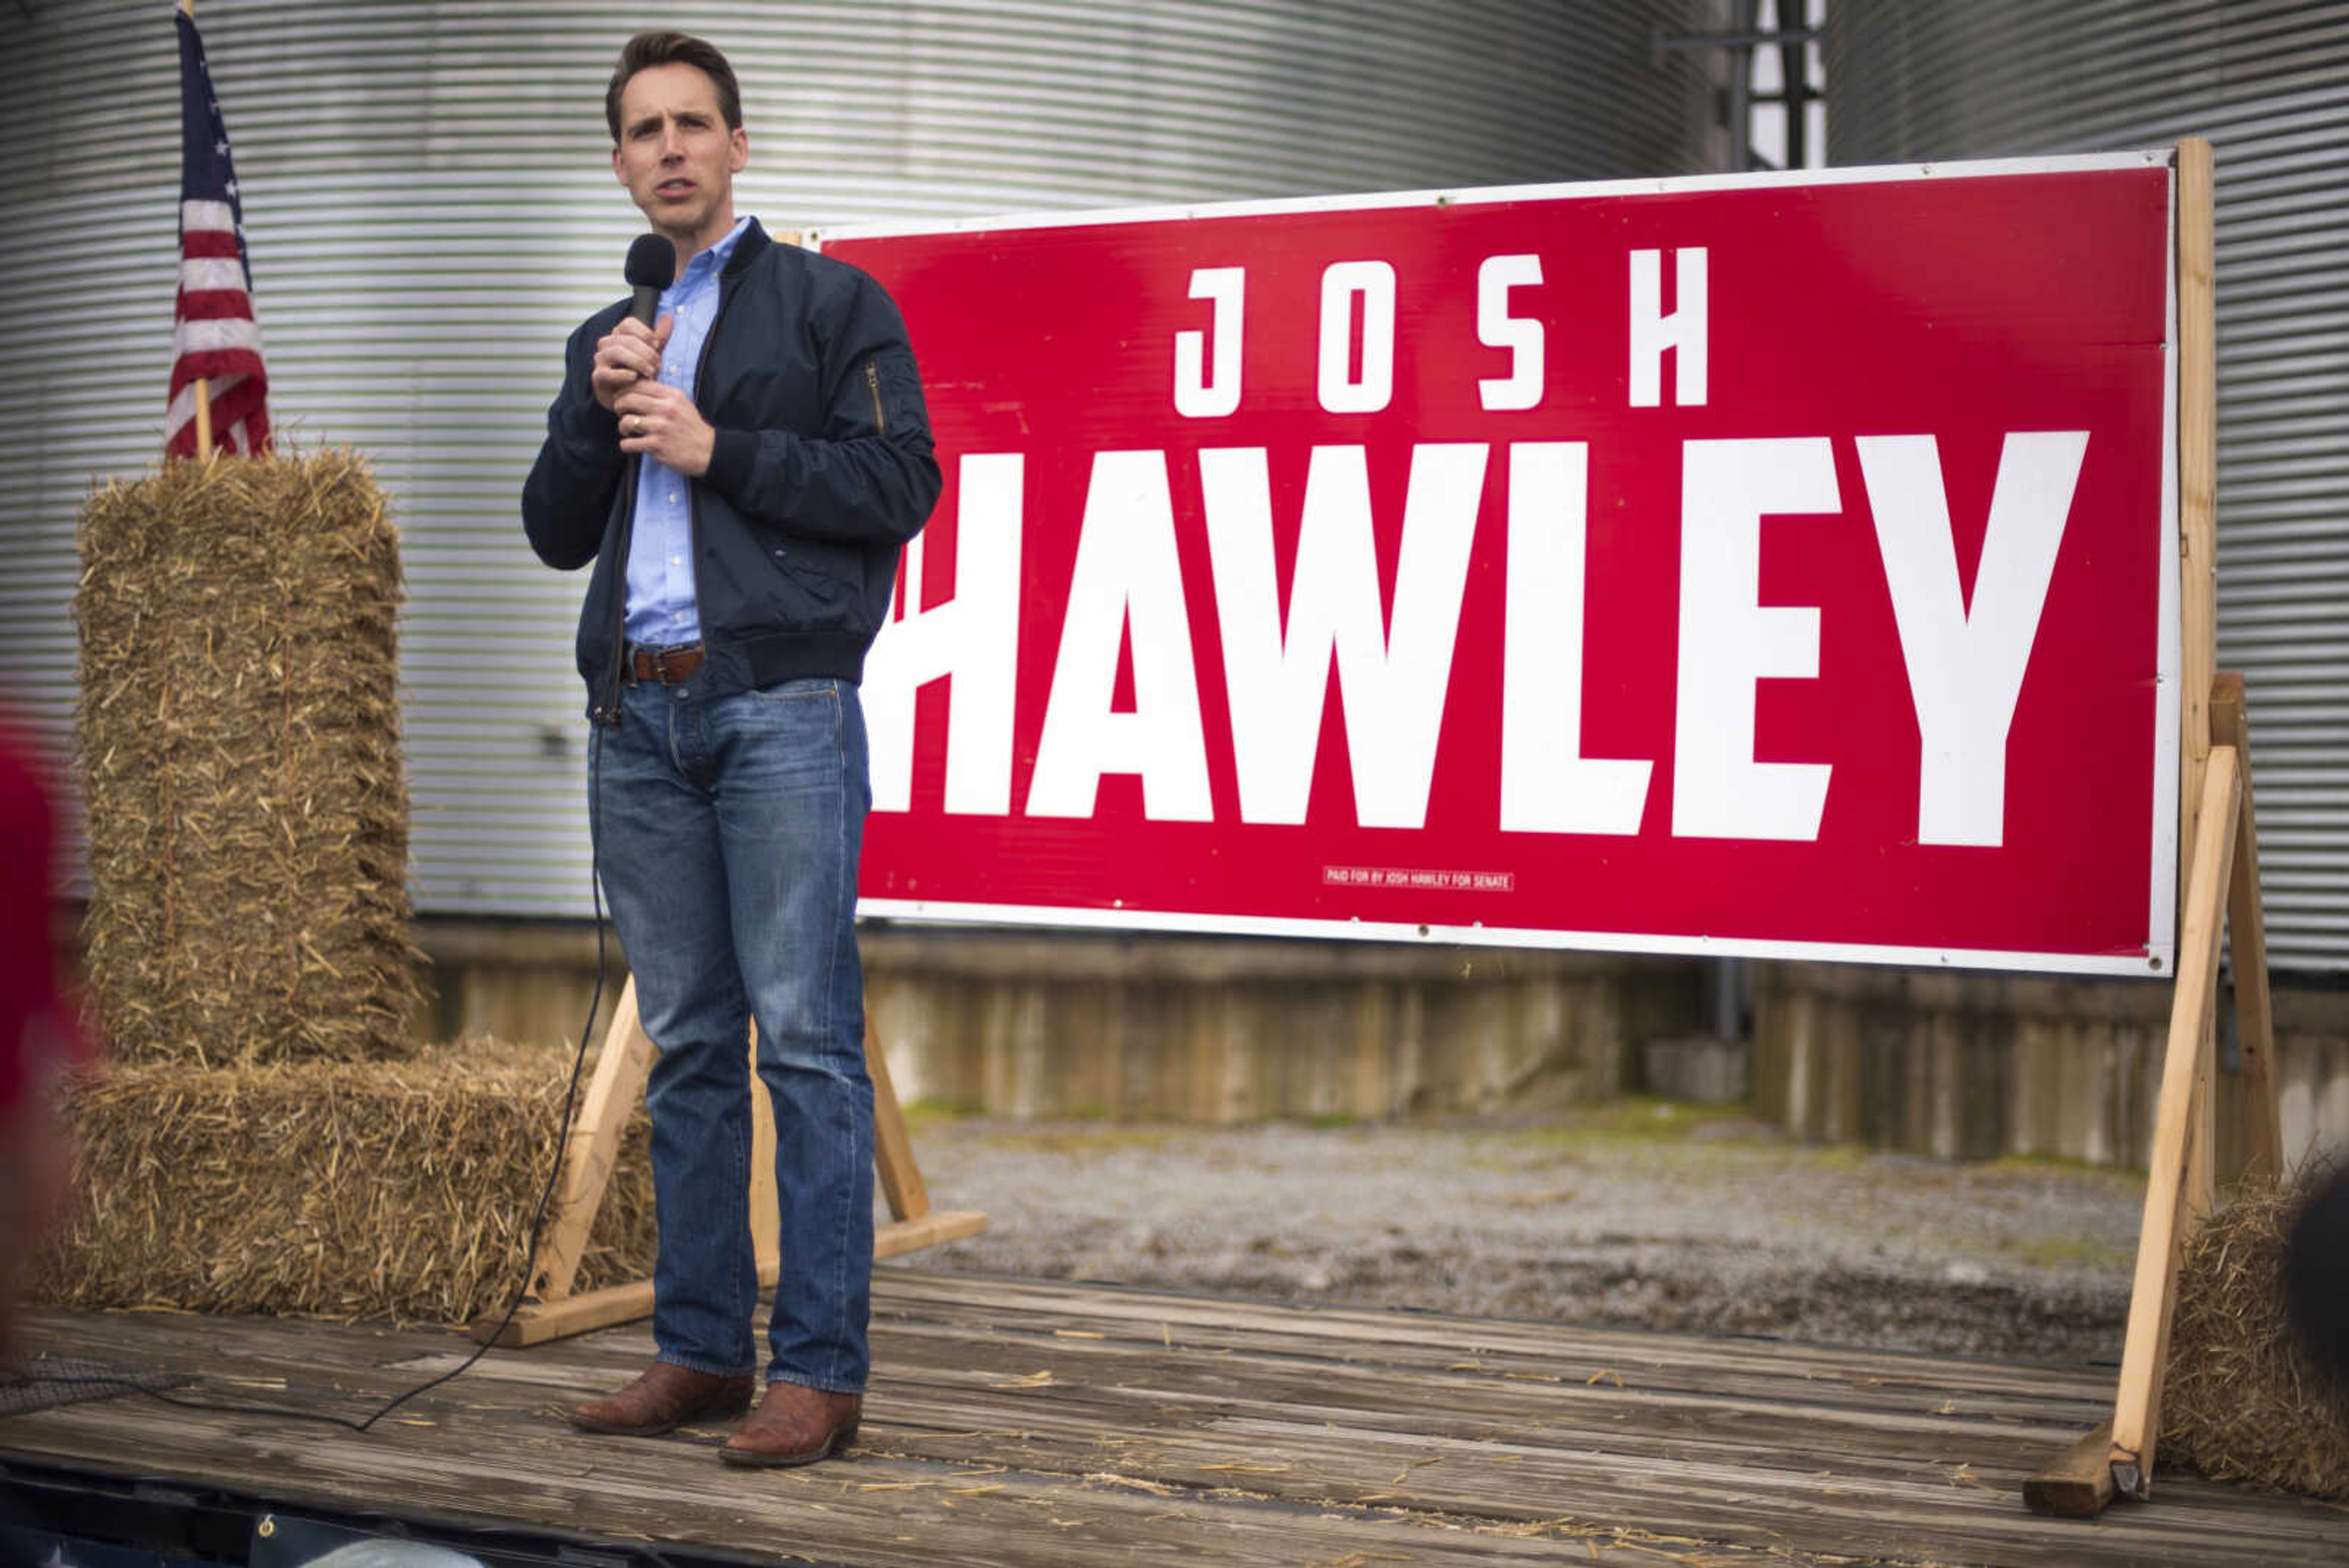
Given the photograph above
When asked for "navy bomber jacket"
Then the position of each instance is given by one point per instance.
(822, 468)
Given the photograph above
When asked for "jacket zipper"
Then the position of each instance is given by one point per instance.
(626, 542)
(873, 381)
(726, 294)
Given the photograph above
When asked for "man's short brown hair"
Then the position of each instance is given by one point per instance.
(647, 50)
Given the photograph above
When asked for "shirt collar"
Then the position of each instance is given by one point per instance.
(715, 258)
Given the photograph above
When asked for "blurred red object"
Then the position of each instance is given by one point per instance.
(36, 1024)
(39, 1036)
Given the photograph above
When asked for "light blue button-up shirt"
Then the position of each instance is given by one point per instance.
(661, 608)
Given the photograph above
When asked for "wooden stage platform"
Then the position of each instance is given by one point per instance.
(1024, 1423)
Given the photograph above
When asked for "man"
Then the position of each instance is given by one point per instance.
(742, 475)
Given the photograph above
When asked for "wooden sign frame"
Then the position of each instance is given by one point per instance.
(2218, 883)
(551, 1310)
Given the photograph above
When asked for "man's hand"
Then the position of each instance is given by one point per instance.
(661, 422)
(627, 357)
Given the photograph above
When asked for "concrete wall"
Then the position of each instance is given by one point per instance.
(1189, 1029)
(1973, 1066)
(1034, 1024)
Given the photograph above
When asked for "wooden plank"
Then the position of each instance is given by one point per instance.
(873, 1509)
(931, 1230)
(539, 1322)
(766, 1212)
(552, 1311)
(2247, 949)
(1423, 1342)
(1956, 1410)
(893, 1149)
(591, 1147)
(2197, 481)
(2198, 500)
(1125, 1454)
(2079, 1484)
(2136, 1410)
(1575, 1399)
(946, 1408)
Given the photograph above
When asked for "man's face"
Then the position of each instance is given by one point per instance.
(676, 155)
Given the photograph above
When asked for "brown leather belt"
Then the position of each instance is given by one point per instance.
(665, 667)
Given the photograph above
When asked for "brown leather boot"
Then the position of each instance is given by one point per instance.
(795, 1425)
(665, 1397)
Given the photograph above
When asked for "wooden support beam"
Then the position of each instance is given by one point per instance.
(2197, 480)
(2247, 950)
(539, 1322)
(2079, 1485)
(2218, 890)
(2198, 545)
(893, 1149)
(552, 1311)
(766, 1201)
(2136, 1410)
(593, 1147)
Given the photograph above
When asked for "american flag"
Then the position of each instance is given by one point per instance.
(213, 338)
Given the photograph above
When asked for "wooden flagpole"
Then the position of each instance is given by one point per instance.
(203, 387)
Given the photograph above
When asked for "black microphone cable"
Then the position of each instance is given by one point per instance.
(538, 1215)
(545, 1195)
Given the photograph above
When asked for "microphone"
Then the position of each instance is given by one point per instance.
(652, 266)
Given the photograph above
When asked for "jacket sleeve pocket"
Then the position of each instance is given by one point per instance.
(897, 393)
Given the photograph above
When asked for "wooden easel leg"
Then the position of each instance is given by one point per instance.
(2136, 1410)
(914, 1225)
(892, 1150)
(766, 1204)
(2078, 1484)
(2197, 458)
(2247, 932)
(2214, 823)
(589, 1151)
(553, 1312)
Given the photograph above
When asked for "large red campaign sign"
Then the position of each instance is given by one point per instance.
(1773, 566)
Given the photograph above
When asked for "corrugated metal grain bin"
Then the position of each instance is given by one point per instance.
(431, 210)
(2266, 81)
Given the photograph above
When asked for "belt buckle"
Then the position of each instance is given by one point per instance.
(672, 665)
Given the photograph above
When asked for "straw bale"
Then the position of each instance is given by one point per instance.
(351, 1191)
(247, 815)
(2241, 1402)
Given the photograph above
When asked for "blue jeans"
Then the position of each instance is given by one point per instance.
(730, 830)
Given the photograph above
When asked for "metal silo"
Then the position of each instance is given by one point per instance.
(431, 210)
(2268, 82)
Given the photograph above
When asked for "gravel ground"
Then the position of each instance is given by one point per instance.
(1641, 1215)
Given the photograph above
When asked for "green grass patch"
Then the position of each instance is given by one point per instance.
(1085, 1138)
(2070, 1169)
(929, 1111)
(2072, 1253)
